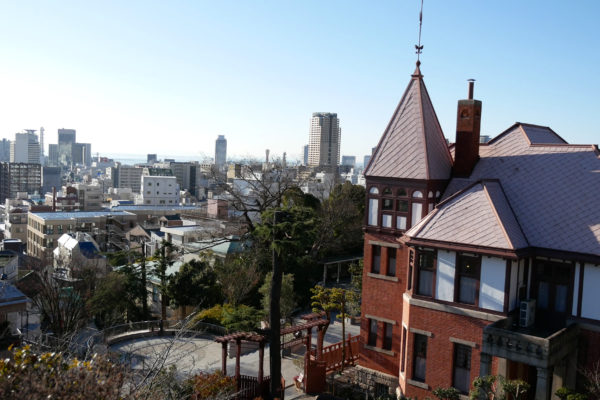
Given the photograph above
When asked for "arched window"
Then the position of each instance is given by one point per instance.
(416, 208)
(430, 195)
(387, 191)
(402, 193)
(372, 218)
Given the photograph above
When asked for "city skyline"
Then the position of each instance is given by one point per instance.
(138, 74)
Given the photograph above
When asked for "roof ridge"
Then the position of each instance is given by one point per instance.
(513, 213)
(495, 211)
(423, 133)
(437, 121)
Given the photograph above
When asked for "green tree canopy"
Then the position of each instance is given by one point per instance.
(287, 299)
(194, 284)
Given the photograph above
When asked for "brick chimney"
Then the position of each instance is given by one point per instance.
(468, 123)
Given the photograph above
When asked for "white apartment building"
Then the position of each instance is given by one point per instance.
(324, 140)
(158, 191)
(90, 196)
(25, 148)
(125, 176)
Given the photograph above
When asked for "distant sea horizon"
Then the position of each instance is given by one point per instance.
(132, 159)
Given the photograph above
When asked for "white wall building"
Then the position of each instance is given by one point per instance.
(158, 191)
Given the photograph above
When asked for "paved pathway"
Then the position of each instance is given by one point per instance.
(192, 355)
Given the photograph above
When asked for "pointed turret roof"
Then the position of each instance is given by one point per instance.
(413, 144)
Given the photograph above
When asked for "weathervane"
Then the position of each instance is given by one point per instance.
(419, 46)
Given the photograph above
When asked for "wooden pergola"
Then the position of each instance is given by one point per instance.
(237, 338)
(312, 320)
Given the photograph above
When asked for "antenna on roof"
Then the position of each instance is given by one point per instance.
(419, 46)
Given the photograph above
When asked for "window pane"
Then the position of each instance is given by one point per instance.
(386, 221)
(376, 267)
(462, 367)
(403, 359)
(426, 268)
(373, 203)
(387, 339)
(372, 332)
(560, 303)
(417, 194)
(543, 295)
(468, 278)
(420, 362)
(388, 204)
(402, 192)
(387, 191)
(374, 190)
(425, 286)
(401, 223)
(417, 211)
(467, 290)
(391, 262)
(402, 206)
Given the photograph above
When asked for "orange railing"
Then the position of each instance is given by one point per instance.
(332, 355)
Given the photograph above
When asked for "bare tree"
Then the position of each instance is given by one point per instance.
(61, 303)
(238, 276)
(258, 188)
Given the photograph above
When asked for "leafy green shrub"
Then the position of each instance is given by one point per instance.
(565, 393)
(446, 393)
(233, 318)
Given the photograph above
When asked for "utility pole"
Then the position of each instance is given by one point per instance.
(144, 281)
(274, 315)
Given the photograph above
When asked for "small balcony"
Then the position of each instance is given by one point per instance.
(538, 345)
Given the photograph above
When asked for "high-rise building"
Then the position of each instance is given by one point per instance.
(81, 153)
(305, 155)
(53, 155)
(25, 148)
(42, 154)
(19, 177)
(5, 150)
(66, 136)
(366, 160)
(51, 177)
(220, 151)
(151, 158)
(349, 161)
(125, 176)
(324, 139)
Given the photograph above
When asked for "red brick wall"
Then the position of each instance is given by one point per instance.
(440, 350)
(383, 299)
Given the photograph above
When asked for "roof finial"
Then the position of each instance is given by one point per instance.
(419, 46)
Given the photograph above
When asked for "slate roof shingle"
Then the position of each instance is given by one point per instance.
(552, 190)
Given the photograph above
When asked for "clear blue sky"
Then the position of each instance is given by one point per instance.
(168, 77)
